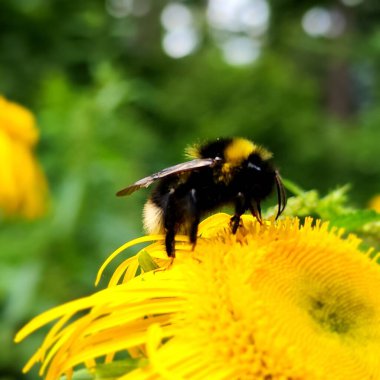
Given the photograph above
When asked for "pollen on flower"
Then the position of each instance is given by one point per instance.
(275, 301)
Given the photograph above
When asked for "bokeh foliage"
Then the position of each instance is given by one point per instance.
(112, 107)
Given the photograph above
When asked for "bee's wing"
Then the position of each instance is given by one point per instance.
(176, 169)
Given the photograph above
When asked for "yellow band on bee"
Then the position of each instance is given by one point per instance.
(240, 149)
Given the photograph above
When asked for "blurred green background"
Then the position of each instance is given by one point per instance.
(120, 87)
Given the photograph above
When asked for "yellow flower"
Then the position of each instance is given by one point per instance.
(279, 301)
(23, 189)
(374, 203)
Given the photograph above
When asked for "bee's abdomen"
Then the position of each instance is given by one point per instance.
(153, 218)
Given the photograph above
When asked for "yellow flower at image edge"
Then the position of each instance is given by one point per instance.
(374, 203)
(23, 189)
(275, 301)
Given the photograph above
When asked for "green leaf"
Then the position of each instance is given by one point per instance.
(355, 219)
(82, 374)
(109, 371)
(115, 369)
(311, 203)
(292, 187)
(146, 262)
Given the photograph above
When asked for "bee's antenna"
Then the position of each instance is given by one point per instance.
(281, 194)
(256, 211)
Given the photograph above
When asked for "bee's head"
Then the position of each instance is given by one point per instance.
(258, 173)
(262, 177)
(258, 165)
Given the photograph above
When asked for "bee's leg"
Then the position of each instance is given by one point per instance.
(169, 242)
(255, 209)
(194, 216)
(240, 207)
(170, 224)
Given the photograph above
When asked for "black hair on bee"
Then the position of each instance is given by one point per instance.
(225, 171)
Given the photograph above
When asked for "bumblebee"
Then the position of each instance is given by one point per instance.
(225, 171)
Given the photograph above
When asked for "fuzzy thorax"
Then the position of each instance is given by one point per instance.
(240, 149)
(236, 151)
